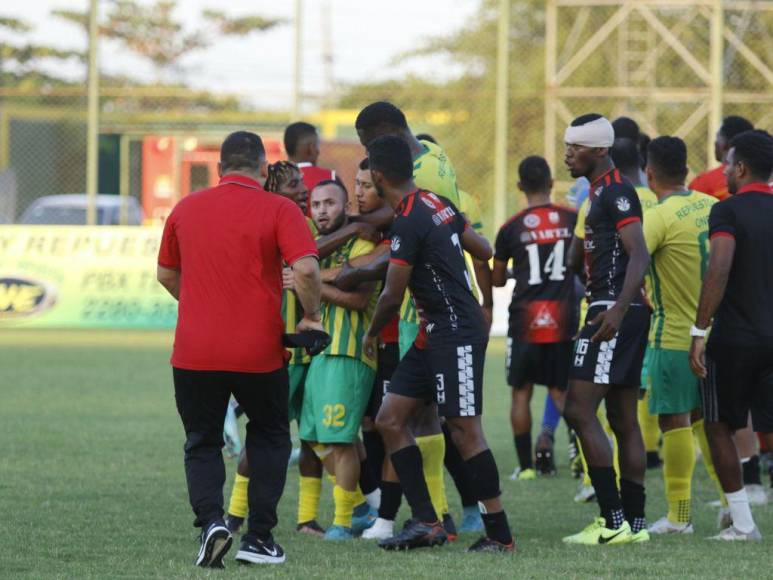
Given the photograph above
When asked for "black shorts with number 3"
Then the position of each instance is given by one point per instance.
(452, 376)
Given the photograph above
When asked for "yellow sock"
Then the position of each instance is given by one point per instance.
(678, 467)
(650, 429)
(344, 506)
(359, 497)
(703, 443)
(433, 450)
(238, 505)
(308, 498)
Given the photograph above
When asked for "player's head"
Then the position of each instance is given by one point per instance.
(731, 126)
(625, 154)
(286, 179)
(426, 137)
(377, 119)
(626, 128)
(666, 164)
(534, 176)
(329, 202)
(368, 199)
(749, 159)
(391, 164)
(302, 143)
(587, 140)
(243, 152)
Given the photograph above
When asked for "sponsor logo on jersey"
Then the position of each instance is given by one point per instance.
(544, 319)
(396, 242)
(21, 296)
(531, 220)
(444, 216)
(623, 204)
(554, 217)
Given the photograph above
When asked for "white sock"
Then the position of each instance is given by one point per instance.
(738, 502)
(374, 498)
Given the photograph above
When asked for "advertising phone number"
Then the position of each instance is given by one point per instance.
(128, 310)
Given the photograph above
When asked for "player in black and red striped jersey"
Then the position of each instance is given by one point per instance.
(543, 311)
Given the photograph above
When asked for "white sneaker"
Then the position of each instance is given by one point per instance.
(381, 530)
(756, 494)
(724, 518)
(586, 494)
(733, 534)
(666, 526)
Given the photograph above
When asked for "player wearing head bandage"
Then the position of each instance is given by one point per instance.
(607, 359)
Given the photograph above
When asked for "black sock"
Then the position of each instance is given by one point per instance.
(751, 471)
(523, 449)
(368, 483)
(633, 498)
(374, 451)
(407, 464)
(391, 497)
(497, 527)
(458, 470)
(603, 480)
(484, 475)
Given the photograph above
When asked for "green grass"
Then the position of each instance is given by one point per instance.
(92, 485)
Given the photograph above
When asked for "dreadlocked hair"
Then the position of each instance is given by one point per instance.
(278, 174)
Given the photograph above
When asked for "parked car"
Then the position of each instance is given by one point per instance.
(70, 209)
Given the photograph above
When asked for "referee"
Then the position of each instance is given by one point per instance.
(221, 257)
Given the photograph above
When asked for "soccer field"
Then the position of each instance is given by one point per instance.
(92, 485)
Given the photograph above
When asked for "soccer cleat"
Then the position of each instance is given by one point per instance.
(416, 535)
(260, 552)
(597, 534)
(640, 537)
(733, 534)
(756, 494)
(471, 520)
(544, 462)
(380, 530)
(585, 494)
(724, 518)
(363, 518)
(485, 544)
(311, 528)
(233, 523)
(576, 467)
(450, 527)
(233, 443)
(215, 543)
(666, 526)
(338, 533)
(523, 474)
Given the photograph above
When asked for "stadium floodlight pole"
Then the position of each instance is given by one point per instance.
(716, 70)
(92, 128)
(297, 64)
(501, 114)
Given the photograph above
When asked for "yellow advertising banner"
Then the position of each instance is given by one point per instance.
(82, 277)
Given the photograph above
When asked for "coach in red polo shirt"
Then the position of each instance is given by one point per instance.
(221, 257)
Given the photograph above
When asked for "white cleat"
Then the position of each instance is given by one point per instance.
(756, 494)
(381, 530)
(665, 526)
(724, 518)
(586, 494)
(733, 534)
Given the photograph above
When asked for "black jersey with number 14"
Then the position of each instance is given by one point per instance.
(426, 234)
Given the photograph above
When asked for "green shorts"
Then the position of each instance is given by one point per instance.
(673, 387)
(297, 374)
(408, 331)
(334, 400)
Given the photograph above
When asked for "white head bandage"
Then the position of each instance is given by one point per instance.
(598, 133)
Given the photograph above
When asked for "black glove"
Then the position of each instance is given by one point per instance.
(314, 341)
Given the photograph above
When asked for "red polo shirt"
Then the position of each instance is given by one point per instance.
(229, 243)
(712, 182)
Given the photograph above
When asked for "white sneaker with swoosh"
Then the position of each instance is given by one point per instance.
(260, 552)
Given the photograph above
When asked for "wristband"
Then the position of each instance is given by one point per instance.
(698, 332)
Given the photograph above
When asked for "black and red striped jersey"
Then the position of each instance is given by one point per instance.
(543, 308)
(612, 204)
(426, 234)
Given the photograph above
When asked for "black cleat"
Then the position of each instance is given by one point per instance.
(450, 527)
(260, 552)
(416, 535)
(215, 543)
(233, 523)
(485, 544)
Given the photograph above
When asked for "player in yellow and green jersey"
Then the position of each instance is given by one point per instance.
(340, 380)
(676, 232)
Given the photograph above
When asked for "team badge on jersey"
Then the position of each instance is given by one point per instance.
(395, 245)
(531, 221)
(554, 217)
(623, 204)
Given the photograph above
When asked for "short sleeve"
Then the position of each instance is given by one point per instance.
(621, 204)
(293, 235)
(579, 227)
(654, 230)
(405, 240)
(169, 250)
(721, 221)
(361, 248)
(502, 245)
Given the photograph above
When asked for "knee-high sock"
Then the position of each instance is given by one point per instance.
(678, 467)
(455, 466)
(309, 491)
(238, 505)
(433, 449)
(344, 506)
(708, 462)
(615, 456)
(650, 429)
